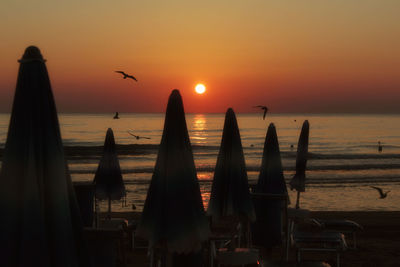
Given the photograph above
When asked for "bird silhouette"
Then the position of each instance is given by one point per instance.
(137, 136)
(263, 108)
(381, 193)
(116, 116)
(126, 75)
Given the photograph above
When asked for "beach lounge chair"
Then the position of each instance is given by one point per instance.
(229, 243)
(310, 236)
(345, 227)
(237, 256)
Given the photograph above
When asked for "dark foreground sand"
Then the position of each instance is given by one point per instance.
(378, 244)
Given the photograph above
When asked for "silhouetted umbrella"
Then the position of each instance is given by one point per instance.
(271, 179)
(40, 219)
(173, 216)
(298, 182)
(267, 228)
(108, 177)
(230, 194)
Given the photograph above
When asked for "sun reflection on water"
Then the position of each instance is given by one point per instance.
(199, 129)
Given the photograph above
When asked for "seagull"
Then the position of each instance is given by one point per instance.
(137, 136)
(382, 195)
(263, 108)
(116, 116)
(126, 75)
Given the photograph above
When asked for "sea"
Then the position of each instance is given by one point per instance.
(343, 164)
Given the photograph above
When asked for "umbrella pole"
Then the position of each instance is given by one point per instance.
(298, 200)
(109, 207)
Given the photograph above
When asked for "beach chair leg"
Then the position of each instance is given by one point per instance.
(298, 256)
(212, 253)
(354, 240)
(151, 252)
(288, 241)
(133, 241)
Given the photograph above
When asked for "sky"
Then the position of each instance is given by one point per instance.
(311, 56)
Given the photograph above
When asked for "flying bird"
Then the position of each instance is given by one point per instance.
(126, 75)
(137, 136)
(263, 108)
(381, 193)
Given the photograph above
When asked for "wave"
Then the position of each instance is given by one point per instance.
(353, 156)
(319, 181)
(94, 151)
(207, 168)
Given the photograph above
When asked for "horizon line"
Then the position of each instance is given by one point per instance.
(270, 114)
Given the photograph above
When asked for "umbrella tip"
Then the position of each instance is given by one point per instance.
(175, 97)
(175, 93)
(230, 111)
(32, 53)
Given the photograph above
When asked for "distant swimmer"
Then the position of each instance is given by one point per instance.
(379, 146)
(138, 137)
(116, 117)
(291, 147)
(263, 108)
(126, 75)
(382, 195)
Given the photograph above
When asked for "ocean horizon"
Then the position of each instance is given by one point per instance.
(344, 158)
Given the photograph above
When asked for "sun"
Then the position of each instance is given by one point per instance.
(200, 88)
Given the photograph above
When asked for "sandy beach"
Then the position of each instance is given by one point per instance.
(378, 244)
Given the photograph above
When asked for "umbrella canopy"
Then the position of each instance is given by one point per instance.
(271, 179)
(230, 194)
(299, 179)
(41, 223)
(173, 215)
(267, 230)
(108, 177)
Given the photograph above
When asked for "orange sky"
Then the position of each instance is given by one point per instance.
(293, 56)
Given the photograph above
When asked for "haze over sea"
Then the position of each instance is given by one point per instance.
(344, 159)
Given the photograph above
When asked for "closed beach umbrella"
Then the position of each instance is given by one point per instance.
(230, 194)
(298, 181)
(108, 177)
(173, 216)
(267, 230)
(271, 179)
(40, 219)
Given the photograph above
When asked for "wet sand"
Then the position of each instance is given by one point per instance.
(378, 244)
